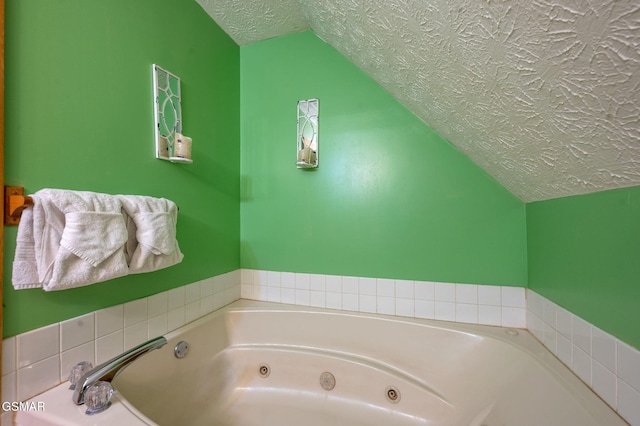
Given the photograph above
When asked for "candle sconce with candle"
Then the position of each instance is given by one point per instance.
(170, 143)
(308, 134)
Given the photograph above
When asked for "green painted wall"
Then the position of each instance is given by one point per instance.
(79, 116)
(584, 254)
(391, 197)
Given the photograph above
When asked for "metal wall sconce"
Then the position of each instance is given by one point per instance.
(308, 134)
(170, 143)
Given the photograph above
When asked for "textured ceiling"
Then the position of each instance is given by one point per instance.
(542, 94)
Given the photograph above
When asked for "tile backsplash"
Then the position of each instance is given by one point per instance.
(607, 365)
(470, 303)
(41, 359)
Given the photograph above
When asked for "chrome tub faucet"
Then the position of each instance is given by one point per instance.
(107, 371)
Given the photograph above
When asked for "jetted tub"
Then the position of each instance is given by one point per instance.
(259, 363)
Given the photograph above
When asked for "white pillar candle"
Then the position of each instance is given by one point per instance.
(182, 147)
(163, 147)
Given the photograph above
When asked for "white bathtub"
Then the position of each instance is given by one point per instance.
(440, 374)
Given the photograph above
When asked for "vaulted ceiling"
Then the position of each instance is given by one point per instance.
(542, 94)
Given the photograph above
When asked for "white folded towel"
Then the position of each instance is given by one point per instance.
(78, 239)
(25, 267)
(151, 225)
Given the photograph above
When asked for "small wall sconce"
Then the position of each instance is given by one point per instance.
(170, 143)
(308, 134)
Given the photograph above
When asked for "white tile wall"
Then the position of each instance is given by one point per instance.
(40, 359)
(34, 378)
(36, 345)
(109, 320)
(504, 306)
(609, 366)
(135, 312)
(77, 331)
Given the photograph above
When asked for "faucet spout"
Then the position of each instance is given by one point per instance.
(107, 371)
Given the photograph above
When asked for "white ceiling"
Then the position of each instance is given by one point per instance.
(542, 94)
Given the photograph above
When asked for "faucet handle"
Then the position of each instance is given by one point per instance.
(79, 370)
(97, 398)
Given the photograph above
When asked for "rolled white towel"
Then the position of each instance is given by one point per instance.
(154, 220)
